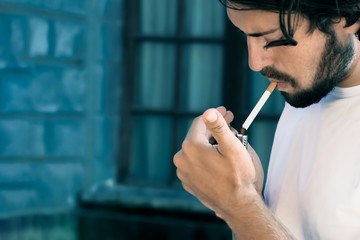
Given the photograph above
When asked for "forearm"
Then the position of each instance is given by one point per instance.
(251, 219)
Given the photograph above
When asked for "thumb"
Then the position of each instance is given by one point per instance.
(220, 130)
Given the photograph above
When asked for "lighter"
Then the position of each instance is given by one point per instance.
(243, 139)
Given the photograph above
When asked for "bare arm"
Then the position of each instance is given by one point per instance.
(251, 219)
(223, 178)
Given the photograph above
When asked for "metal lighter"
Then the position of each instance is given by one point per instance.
(243, 139)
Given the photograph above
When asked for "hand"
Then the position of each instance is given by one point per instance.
(258, 169)
(257, 163)
(256, 160)
(218, 175)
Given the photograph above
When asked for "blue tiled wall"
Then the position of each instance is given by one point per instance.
(60, 89)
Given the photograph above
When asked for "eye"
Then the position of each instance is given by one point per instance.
(276, 43)
(280, 42)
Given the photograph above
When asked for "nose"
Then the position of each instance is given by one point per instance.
(259, 57)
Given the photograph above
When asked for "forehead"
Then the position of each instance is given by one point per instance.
(253, 20)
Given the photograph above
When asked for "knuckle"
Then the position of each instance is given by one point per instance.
(219, 128)
(176, 159)
(195, 120)
(221, 109)
(187, 188)
(187, 146)
(191, 148)
(178, 174)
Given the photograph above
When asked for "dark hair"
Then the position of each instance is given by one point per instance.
(322, 14)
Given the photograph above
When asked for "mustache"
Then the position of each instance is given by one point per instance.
(271, 72)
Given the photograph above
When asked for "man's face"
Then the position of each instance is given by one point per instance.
(305, 73)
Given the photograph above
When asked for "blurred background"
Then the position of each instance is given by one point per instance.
(96, 96)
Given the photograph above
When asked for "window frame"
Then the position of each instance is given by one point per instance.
(236, 96)
(132, 38)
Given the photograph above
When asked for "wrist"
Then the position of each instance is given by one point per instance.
(240, 202)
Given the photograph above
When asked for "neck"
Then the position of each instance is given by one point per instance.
(353, 77)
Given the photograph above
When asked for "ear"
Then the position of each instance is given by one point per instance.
(355, 27)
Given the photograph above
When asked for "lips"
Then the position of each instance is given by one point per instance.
(281, 85)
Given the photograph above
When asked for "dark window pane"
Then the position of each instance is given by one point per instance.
(152, 149)
(202, 76)
(158, 17)
(155, 82)
(204, 18)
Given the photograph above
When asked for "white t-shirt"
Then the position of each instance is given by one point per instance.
(314, 172)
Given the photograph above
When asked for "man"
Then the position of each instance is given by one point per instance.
(311, 49)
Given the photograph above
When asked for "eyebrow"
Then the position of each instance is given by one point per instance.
(260, 34)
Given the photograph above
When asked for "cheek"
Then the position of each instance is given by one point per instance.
(309, 70)
(305, 61)
(299, 65)
(312, 52)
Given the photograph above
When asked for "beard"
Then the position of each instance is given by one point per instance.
(332, 69)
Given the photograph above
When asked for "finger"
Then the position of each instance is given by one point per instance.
(258, 169)
(252, 153)
(229, 117)
(219, 215)
(219, 129)
(212, 140)
(221, 110)
(250, 149)
(198, 132)
(177, 158)
(234, 131)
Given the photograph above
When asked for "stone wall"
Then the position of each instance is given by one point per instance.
(60, 89)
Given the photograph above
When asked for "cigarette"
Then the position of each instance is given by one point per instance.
(258, 107)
